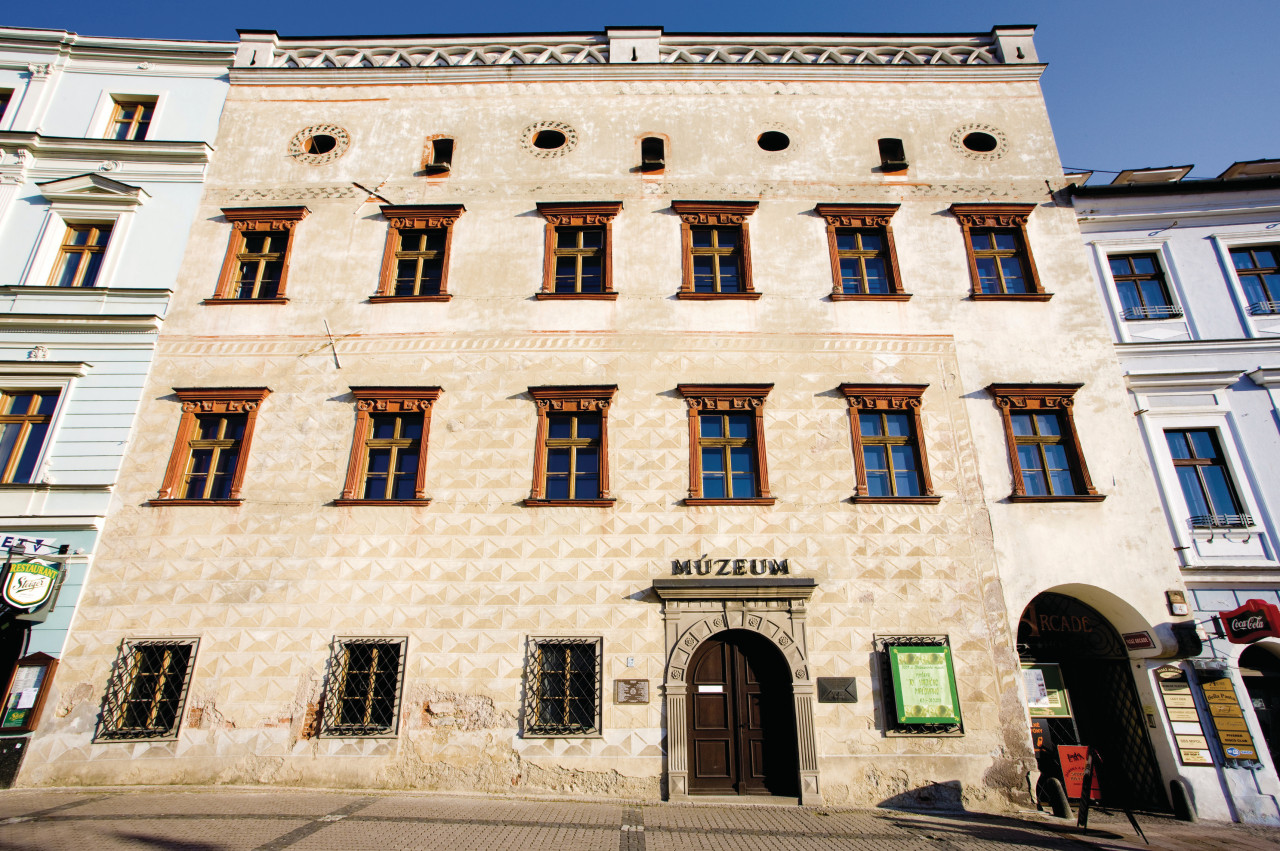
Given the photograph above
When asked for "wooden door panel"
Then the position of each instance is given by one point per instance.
(710, 711)
(711, 760)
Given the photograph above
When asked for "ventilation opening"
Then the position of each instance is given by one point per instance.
(772, 140)
(548, 140)
(321, 143)
(980, 143)
(438, 156)
(893, 157)
(653, 154)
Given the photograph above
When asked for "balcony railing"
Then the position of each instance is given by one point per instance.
(1159, 311)
(1264, 308)
(1221, 521)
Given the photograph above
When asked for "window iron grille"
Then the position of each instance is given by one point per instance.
(362, 687)
(147, 690)
(1221, 521)
(562, 686)
(1158, 311)
(1264, 308)
(887, 707)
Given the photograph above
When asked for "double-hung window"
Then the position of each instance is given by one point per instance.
(571, 465)
(726, 440)
(1258, 268)
(148, 689)
(864, 263)
(1044, 449)
(563, 678)
(1206, 483)
(415, 261)
(888, 453)
(717, 252)
(80, 255)
(256, 266)
(1141, 286)
(25, 417)
(1000, 261)
(212, 447)
(130, 120)
(363, 686)
(389, 449)
(578, 250)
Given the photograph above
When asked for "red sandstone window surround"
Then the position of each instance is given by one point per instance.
(1044, 448)
(726, 444)
(388, 463)
(716, 249)
(211, 450)
(1000, 263)
(415, 261)
(256, 267)
(571, 463)
(864, 262)
(888, 449)
(577, 257)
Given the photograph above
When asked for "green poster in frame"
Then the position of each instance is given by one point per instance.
(924, 685)
(1046, 694)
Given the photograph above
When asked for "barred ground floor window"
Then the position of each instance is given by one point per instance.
(148, 689)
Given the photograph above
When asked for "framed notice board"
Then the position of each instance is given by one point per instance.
(924, 685)
(25, 693)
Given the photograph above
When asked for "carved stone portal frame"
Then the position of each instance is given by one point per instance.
(696, 609)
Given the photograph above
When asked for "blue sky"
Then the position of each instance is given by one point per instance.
(1130, 83)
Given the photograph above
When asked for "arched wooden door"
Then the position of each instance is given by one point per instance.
(742, 728)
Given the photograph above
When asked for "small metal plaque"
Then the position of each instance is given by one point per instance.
(631, 691)
(837, 690)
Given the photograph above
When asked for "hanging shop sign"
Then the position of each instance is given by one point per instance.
(705, 566)
(1254, 620)
(25, 693)
(1046, 694)
(924, 685)
(1228, 719)
(27, 585)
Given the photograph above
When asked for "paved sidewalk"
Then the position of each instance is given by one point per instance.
(307, 820)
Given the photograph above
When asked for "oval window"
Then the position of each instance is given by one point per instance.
(548, 140)
(980, 143)
(321, 143)
(772, 140)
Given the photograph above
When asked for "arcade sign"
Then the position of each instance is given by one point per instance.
(1254, 620)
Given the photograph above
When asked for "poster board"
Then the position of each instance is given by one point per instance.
(924, 684)
(1046, 693)
(25, 693)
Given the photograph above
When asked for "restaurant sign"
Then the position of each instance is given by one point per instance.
(27, 585)
(1254, 620)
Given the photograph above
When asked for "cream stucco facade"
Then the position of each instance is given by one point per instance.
(472, 577)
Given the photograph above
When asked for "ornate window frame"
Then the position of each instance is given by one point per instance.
(1059, 399)
(246, 219)
(1008, 217)
(420, 217)
(394, 400)
(718, 214)
(579, 399)
(79, 200)
(210, 400)
(732, 398)
(905, 398)
(862, 217)
(578, 214)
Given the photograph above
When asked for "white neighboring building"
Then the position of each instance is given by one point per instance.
(1188, 271)
(104, 143)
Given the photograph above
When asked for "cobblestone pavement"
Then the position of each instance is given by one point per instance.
(278, 819)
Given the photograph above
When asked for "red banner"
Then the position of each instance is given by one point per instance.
(1254, 620)
(1073, 759)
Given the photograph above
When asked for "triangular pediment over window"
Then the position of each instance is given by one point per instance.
(82, 188)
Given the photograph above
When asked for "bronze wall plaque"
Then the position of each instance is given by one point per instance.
(631, 691)
(837, 690)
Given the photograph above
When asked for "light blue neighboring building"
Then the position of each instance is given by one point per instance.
(104, 145)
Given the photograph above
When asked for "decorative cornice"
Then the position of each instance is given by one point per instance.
(596, 397)
(1033, 395)
(857, 215)
(580, 214)
(724, 397)
(221, 400)
(80, 323)
(714, 212)
(1266, 376)
(395, 400)
(43, 368)
(1187, 380)
(422, 216)
(883, 396)
(992, 215)
(265, 218)
(74, 147)
(700, 588)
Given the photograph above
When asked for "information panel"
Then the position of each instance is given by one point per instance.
(1228, 719)
(1046, 694)
(924, 685)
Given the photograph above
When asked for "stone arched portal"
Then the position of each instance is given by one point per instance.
(696, 609)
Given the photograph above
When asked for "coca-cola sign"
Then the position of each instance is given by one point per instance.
(1254, 620)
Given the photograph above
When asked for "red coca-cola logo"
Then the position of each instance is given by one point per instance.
(1254, 620)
